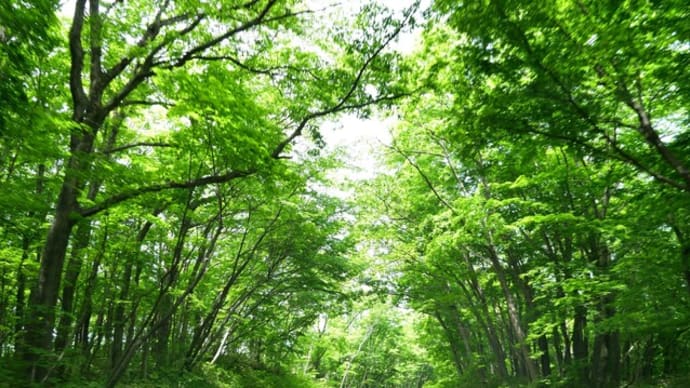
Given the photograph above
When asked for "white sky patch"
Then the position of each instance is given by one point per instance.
(360, 141)
(66, 8)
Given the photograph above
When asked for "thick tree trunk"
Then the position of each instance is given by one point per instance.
(41, 319)
(74, 265)
(82, 238)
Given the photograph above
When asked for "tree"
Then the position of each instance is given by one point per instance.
(523, 166)
(225, 90)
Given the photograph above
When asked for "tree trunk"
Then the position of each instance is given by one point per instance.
(82, 239)
(119, 319)
(483, 316)
(545, 359)
(513, 315)
(41, 318)
(579, 342)
(19, 302)
(558, 349)
(453, 344)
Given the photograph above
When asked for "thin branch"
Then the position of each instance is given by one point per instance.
(446, 156)
(335, 109)
(141, 144)
(260, 18)
(340, 106)
(147, 66)
(620, 154)
(268, 71)
(426, 179)
(147, 103)
(150, 34)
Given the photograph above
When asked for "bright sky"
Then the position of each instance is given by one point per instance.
(361, 140)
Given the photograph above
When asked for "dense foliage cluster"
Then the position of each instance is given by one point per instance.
(543, 225)
(155, 215)
(166, 216)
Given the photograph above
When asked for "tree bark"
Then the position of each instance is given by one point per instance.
(579, 342)
(81, 242)
(40, 323)
(544, 358)
(483, 316)
(513, 315)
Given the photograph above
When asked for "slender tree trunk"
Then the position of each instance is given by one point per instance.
(513, 315)
(484, 318)
(83, 325)
(19, 302)
(558, 349)
(166, 308)
(613, 361)
(119, 319)
(646, 369)
(544, 358)
(455, 352)
(579, 342)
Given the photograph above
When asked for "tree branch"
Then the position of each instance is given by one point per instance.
(141, 144)
(95, 72)
(645, 127)
(146, 70)
(620, 154)
(124, 196)
(147, 103)
(340, 106)
(214, 41)
(79, 98)
(426, 179)
(652, 137)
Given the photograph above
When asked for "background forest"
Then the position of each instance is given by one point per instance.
(171, 216)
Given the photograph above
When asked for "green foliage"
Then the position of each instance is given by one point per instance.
(157, 214)
(527, 228)
(162, 225)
